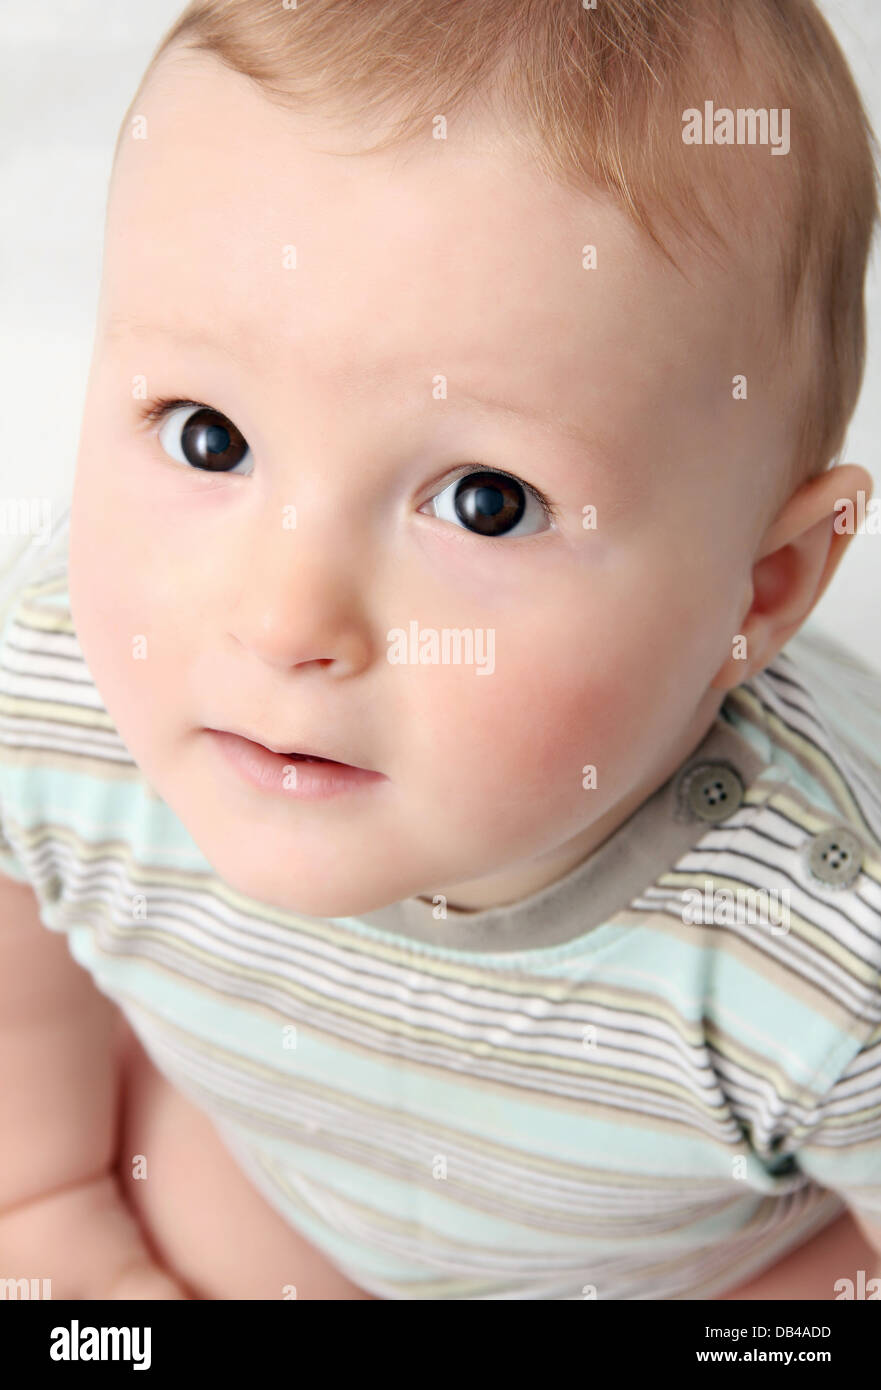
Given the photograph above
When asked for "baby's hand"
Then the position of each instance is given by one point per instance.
(86, 1240)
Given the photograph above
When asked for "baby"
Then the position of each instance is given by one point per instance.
(470, 875)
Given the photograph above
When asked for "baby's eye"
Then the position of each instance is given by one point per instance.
(487, 502)
(491, 504)
(203, 438)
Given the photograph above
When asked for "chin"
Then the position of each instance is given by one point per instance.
(310, 899)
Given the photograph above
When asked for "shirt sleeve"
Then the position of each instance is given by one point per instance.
(11, 579)
(10, 864)
(843, 1151)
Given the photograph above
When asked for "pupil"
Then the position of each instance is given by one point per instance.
(216, 439)
(489, 500)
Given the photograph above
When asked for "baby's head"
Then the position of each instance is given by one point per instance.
(371, 253)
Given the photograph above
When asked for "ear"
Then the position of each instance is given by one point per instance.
(797, 557)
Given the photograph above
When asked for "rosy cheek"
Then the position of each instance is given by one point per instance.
(512, 733)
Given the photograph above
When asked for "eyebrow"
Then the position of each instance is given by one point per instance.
(184, 337)
(367, 378)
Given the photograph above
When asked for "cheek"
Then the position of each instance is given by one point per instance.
(126, 543)
(114, 584)
(520, 737)
(608, 685)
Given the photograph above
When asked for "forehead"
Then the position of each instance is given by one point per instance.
(452, 254)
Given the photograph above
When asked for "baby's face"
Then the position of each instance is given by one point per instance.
(435, 321)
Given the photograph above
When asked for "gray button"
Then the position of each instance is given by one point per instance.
(782, 1167)
(713, 791)
(835, 856)
(52, 888)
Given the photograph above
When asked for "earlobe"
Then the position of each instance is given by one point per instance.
(739, 666)
(740, 663)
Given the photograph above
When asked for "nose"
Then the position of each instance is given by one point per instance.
(299, 601)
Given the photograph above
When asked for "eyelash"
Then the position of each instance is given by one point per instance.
(156, 410)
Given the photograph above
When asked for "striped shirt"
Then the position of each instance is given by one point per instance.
(624, 1086)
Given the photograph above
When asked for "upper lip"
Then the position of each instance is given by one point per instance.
(311, 750)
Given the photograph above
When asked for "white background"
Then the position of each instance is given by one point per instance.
(68, 71)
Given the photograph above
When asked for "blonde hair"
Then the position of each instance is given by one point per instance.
(599, 95)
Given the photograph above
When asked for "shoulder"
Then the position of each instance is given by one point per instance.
(802, 995)
(815, 713)
(61, 759)
(24, 576)
(35, 621)
(39, 567)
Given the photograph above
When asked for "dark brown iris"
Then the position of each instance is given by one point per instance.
(489, 503)
(210, 441)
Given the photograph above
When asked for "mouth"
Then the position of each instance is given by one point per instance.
(271, 770)
(303, 757)
(298, 755)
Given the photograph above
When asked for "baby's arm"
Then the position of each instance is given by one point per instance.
(810, 1271)
(62, 1216)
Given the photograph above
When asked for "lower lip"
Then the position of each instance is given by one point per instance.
(278, 772)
